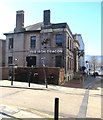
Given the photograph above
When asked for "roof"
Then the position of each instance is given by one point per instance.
(36, 26)
(39, 26)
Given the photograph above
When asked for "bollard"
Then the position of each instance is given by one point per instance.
(29, 78)
(11, 80)
(29, 83)
(56, 111)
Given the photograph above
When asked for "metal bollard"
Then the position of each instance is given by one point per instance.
(56, 111)
(29, 83)
(11, 80)
(29, 78)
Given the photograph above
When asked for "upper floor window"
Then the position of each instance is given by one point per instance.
(33, 42)
(68, 43)
(59, 39)
(11, 43)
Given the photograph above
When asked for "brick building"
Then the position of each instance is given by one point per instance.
(41, 44)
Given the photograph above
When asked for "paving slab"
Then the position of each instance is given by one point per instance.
(81, 102)
(7, 111)
(94, 107)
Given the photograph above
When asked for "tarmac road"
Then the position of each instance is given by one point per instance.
(91, 81)
(73, 102)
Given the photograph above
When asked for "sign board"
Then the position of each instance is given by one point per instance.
(46, 51)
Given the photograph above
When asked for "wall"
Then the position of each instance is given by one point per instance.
(3, 73)
(2, 52)
(82, 47)
(53, 75)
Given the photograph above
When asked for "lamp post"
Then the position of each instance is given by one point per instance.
(45, 79)
(12, 68)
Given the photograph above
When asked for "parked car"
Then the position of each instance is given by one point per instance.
(96, 72)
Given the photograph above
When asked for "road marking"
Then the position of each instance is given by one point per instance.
(6, 95)
(41, 113)
(83, 107)
(33, 111)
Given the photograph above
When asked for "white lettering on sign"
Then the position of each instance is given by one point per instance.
(46, 51)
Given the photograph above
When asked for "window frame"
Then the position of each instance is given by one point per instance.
(58, 63)
(59, 41)
(11, 43)
(10, 60)
(33, 42)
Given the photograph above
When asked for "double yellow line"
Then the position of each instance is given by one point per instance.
(41, 114)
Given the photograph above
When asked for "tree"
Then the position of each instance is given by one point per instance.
(94, 62)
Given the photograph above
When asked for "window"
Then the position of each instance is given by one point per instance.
(33, 42)
(58, 61)
(68, 64)
(68, 43)
(10, 60)
(59, 39)
(11, 43)
(31, 61)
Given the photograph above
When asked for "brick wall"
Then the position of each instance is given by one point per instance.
(53, 75)
(3, 73)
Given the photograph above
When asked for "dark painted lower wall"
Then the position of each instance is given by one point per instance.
(38, 75)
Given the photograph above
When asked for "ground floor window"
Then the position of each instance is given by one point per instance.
(10, 60)
(58, 61)
(31, 61)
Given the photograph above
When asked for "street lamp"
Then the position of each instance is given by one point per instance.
(12, 68)
(45, 79)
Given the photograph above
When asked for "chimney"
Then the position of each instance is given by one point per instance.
(19, 21)
(46, 17)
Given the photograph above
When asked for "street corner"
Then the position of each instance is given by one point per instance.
(8, 111)
(18, 112)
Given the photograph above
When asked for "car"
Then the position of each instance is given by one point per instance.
(97, 72)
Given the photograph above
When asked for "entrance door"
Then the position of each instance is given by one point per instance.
(31, 61)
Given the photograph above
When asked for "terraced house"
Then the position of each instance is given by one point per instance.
(41, 44)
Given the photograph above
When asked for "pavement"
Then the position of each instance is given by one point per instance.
(90, 105)
(83, 83)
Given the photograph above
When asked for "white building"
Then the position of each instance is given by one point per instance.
(81, 50)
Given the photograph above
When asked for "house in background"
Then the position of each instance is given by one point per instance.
(2, 52)
(81, 50)
(2, 56)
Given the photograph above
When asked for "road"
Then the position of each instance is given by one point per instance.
(76, 103)
(92, 80)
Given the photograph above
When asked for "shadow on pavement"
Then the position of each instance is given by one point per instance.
(22, 87)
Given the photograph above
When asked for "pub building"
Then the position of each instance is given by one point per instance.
(42, 44)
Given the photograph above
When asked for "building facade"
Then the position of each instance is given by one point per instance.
(2, 56)
(41, 44)
(81, 50)
(2, 52)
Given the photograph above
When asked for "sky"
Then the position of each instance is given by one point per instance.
(82, 17)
